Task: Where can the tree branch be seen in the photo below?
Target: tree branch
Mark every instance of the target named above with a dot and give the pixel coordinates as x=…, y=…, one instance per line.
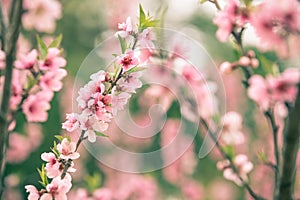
x=290, y=150
x=12, y=35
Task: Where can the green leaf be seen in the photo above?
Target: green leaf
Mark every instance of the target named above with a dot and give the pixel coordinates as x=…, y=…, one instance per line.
x=142, y=15
x=54, y=149
x=101, y=134
x=42, y=173
x=247, y=2
x=56, y=42
x=263, y=156
x=42, y=47
x=229, y=150
x=93, y=181
x=59, y=137
x=123, y=44
x=135, y=69
x=202, y=1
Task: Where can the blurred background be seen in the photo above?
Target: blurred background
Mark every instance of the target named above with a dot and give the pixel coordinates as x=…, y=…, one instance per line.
x=84, y=25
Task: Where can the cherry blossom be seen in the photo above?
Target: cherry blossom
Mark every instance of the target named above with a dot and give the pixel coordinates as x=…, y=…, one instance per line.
x=53, y=166
x=231, y=17
x=71, y=123
x=53, y=60
x=274, y=23
x=67, y=150
x=27, y=61
x=242, y=165
x=127, y=60
x=146, y=39
x=125, y=28
x=231, y=132
x=35, y=107
x=41, y=15
x=33, y=192
x=51, y=80
x=58, y=188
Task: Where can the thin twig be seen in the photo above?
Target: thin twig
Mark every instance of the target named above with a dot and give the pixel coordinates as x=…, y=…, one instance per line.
x=232, y=165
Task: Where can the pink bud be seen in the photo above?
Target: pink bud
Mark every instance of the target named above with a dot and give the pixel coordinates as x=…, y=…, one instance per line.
x=226, y=67
x=244, y=61
x=254, y=63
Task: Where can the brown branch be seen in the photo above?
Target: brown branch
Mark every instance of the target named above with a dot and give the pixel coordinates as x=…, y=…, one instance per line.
x=290, y=150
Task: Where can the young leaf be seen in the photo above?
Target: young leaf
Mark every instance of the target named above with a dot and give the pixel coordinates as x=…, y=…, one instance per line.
x=59, y=137
x=123, y=44
x=135, y=69
x=42, y=47
x=101, y=134
x=56, y=43
x=142, y=16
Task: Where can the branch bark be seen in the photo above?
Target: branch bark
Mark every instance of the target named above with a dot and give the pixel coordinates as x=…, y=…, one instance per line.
x=290, y=150
x=12, y=35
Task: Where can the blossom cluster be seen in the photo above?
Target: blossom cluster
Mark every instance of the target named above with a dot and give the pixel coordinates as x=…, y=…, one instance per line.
x=98, y=101
x=276, y=24
x=273, y=91
x=59, y=165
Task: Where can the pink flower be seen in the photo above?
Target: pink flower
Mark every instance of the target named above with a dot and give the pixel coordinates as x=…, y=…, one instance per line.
x=27, y=61
x=53, y=60
x=103, y=194
x=71, y=123
x=192, y=190
x=125, y=28
x=41, y=15
x=33, y=192
x=231, y=132
x=53, y=166
x=16, y=89
x=146, y=39
x=2, y=59
x=127, y=60
x=119, y=101
x=58, y=188
x=275, y=22
x=51, y=80
x=35, y=107
x=243, y=165
x=284, y=87
x=67, y=150
x=130, y=82
x=232, y=16
x=93, y=125
x=19, y=148
x=258, y=91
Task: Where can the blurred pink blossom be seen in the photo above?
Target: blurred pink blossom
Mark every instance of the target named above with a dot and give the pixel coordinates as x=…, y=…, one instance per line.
x=242, y=165
x=41, y=15
x=231, y=17
x=125, y=28
x=231, y=132
x=19, y=148
x=274, y=23
x=2, y=59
